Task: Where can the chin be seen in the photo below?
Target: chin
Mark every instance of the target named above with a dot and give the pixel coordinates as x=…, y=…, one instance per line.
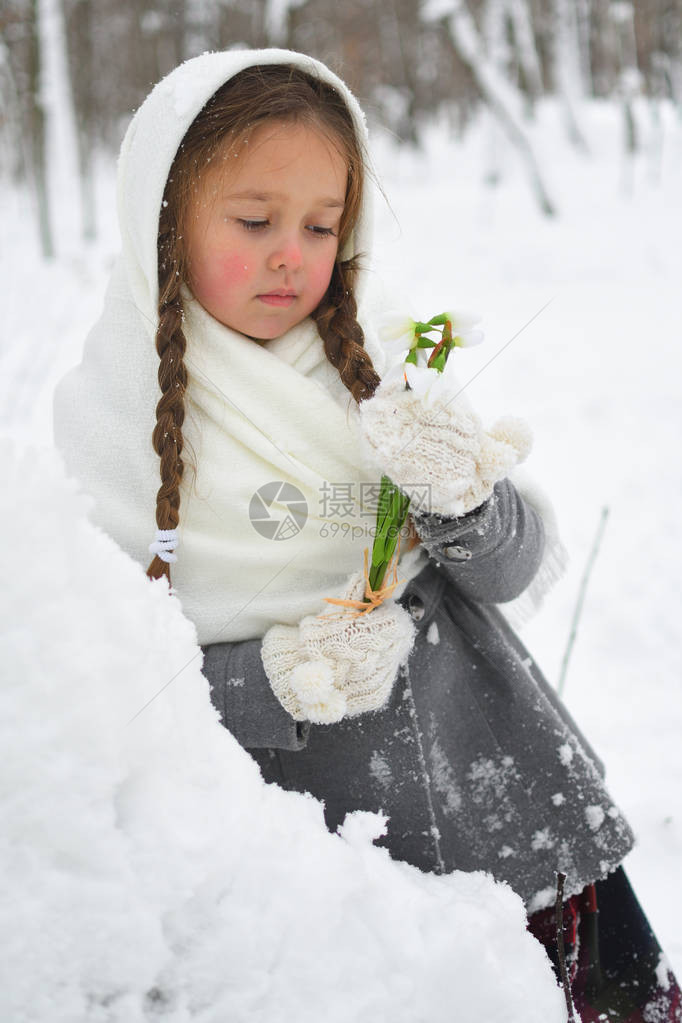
x=269, y=332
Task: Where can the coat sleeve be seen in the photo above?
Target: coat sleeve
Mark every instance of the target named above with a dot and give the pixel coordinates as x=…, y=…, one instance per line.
x=492, y=553
x=241, y=693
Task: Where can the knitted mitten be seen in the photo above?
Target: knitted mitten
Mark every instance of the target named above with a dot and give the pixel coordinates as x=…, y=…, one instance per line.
x=334, y=665
x=438, y=454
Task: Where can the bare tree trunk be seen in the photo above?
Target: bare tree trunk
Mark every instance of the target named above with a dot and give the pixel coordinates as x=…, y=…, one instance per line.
x=603, y=59
x=583, y=18
x=278, y=21
x=567, y=70
x=37, y=132
x=622, y=15
x=495, y=37
x=520, y=18
x=498, y=52
x=498, y=17
x=672, y=29
x=78, y=28
x=13, y=141
x=499, y=95
x=406, y=79
x=657, y=91
x=178, y=32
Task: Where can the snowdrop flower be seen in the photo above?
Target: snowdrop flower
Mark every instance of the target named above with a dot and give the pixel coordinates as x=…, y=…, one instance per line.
x=464, y=331
x=397, y=333
x=468, y=338
x=431, y=386
x=400, y=333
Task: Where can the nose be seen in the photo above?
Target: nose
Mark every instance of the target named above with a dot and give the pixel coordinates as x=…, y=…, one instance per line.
x=286, y=254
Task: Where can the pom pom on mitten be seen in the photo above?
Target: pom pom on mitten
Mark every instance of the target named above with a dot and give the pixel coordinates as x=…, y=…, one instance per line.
x=516, y=433
x=338, y=664
x=305, y=686
x=313, y=685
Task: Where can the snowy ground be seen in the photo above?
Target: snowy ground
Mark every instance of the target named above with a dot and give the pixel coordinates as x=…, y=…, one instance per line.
x=596, y=373
x=148, y=872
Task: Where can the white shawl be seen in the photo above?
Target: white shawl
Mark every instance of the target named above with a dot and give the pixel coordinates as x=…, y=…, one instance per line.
x=255, y=413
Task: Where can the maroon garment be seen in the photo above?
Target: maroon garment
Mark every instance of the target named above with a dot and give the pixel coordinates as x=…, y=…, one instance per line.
x=613, y=959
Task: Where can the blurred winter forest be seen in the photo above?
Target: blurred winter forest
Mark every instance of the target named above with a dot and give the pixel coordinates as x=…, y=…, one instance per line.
x=405, y=59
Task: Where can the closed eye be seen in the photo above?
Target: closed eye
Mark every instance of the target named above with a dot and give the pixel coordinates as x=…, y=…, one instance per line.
x=260, y=225
x=253, y=225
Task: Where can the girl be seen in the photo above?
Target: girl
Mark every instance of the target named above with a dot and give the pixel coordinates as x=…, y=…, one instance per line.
x=244, y=205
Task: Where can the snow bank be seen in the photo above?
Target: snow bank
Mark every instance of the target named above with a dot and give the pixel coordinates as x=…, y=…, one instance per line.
x=150, y=874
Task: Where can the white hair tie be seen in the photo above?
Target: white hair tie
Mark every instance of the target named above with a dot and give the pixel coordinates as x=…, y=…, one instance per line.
x=164, y=545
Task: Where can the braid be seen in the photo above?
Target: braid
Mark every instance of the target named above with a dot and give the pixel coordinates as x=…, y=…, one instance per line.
x=170, y=410
x=254, y=96
x=344, y=341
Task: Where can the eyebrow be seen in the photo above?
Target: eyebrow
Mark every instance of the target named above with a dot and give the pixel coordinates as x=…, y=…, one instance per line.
x=267, y=196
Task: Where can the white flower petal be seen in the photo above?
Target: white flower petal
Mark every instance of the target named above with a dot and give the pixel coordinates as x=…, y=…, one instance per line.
x=394, y=324
x=464, y=319
x=395, y=372
x=420, y=378
x=469, y=338
x=423, y=356
x=397, y=346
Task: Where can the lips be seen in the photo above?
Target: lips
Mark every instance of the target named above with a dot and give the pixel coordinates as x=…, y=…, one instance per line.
x=278, y=298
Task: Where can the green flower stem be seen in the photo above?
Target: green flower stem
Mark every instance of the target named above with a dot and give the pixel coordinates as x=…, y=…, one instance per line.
x=393, y=504
x=391, y=515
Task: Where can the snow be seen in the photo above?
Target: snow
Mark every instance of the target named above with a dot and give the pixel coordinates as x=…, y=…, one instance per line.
x=543, y=839
x=380, y=770
x=150, y=874
x=594, y=815
x=544, y=898
x=128, y=848
x=663, y=971
x=444, y=780
x=432, y=635
x=565, y=754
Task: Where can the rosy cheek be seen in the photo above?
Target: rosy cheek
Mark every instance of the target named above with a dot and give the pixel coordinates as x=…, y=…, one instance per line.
x=232, y=270
x=320, y=275
x=225, y=273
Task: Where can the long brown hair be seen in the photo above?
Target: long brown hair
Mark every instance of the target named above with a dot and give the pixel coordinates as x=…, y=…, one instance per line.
x=261, y=93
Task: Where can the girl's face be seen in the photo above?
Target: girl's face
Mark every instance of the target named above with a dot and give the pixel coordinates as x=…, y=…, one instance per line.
x=262, y=236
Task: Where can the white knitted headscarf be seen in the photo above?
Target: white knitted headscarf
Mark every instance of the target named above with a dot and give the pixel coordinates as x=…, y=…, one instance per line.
x=256, y=415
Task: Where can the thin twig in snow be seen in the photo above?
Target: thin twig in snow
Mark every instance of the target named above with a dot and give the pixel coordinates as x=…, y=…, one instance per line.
x=581, y=598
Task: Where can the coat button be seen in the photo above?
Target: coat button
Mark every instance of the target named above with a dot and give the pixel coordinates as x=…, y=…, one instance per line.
x=457, y=553
x=415, y=606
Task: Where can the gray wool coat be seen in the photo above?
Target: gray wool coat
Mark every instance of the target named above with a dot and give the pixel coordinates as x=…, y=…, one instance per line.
x=475, y=761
